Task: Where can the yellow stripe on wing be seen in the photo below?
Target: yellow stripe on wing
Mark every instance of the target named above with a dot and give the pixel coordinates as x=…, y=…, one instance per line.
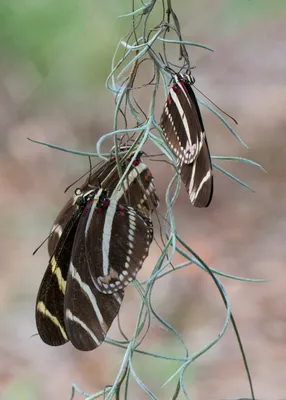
x=57, y=271
x=43, y=310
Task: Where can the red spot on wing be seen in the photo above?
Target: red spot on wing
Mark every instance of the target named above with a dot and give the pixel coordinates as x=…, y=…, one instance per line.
x=88, y=206
x=148, y=175
x=183, y=84
x=176, y=89
x=121, y=210
x=106, y=203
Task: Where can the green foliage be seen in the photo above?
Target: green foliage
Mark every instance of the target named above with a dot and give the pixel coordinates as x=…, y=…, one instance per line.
x=21, y=389
x=244, y=12
x=69, y=40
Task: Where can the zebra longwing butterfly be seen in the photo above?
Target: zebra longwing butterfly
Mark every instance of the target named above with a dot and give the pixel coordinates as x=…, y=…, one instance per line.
x=51, y=294
x=138, y=191
x=183, y=128
x=101, y=272
x=69, y=304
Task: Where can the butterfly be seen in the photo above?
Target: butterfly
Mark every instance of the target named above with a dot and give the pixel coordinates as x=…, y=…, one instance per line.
x=104, y=237
x=183, y=129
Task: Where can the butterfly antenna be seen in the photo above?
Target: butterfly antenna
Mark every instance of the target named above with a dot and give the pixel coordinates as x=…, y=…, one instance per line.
x=38, y=248
x=152, y=155
x=225, y=113
x=34, y=335
x=82, y=176
x=90, y=169
x=99, y=182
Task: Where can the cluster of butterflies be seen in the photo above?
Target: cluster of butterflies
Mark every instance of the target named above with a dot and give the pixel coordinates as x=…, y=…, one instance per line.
x=102, y=236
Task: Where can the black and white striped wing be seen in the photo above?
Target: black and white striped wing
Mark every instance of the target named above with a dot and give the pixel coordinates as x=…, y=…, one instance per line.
x=181, y=120
x=184, y=131
x=138, y=190
x=88, y=312
x=117, y=241
x=147, y=201
x=59, y=225
x=198, y=178
x=99, y=174
x=51, y=294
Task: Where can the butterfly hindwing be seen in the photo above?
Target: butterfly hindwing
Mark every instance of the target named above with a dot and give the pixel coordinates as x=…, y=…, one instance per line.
x=142, y=192
x=138, y=190
x=198, y=178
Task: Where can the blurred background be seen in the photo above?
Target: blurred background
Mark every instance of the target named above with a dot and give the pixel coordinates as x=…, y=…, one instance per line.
x=54, y=59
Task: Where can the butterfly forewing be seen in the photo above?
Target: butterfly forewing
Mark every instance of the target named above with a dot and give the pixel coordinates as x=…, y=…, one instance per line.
x=183, y=128
x=50, y=299
x=138, y=185
x=88, y=312
x=101, y=171
x=180, y=121
x=117, y=242
x=59, y=226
